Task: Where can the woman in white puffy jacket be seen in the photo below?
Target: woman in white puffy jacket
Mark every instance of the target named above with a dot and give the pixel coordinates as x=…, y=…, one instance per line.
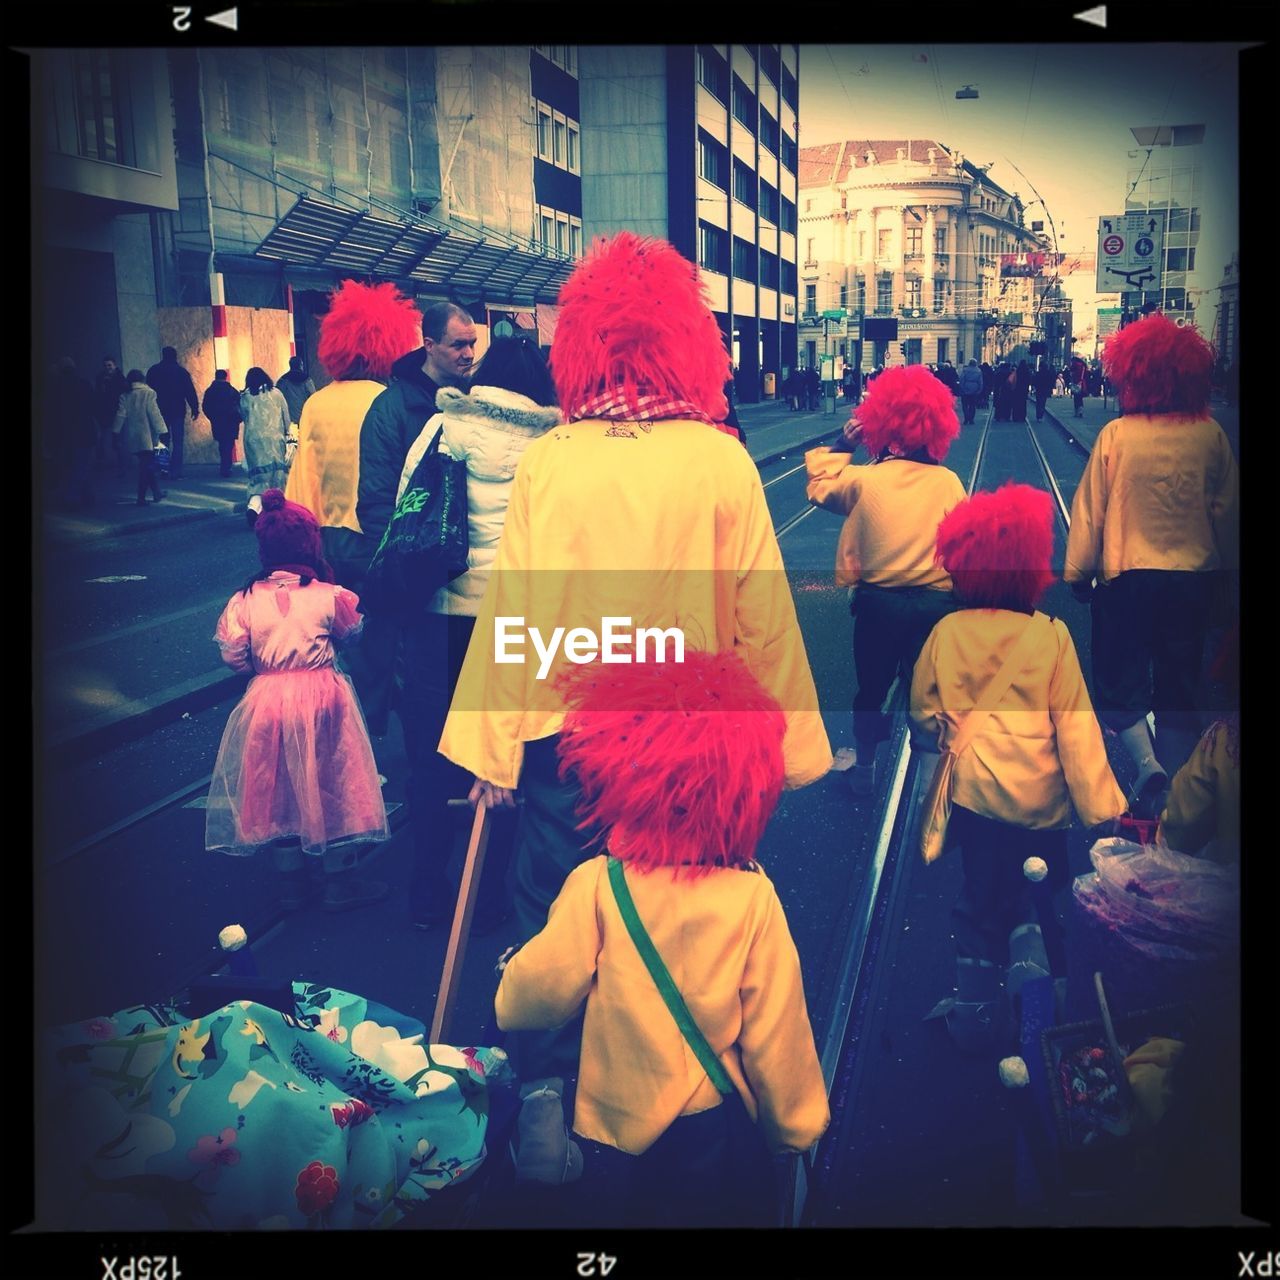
x=511, y=402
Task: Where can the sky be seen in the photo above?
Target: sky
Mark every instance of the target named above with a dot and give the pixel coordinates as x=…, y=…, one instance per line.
x=1060, y=113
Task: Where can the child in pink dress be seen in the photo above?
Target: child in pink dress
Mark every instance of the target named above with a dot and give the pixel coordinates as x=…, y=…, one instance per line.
x=295, y=766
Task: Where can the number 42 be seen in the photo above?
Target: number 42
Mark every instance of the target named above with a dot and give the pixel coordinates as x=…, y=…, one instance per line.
x=587, y=1264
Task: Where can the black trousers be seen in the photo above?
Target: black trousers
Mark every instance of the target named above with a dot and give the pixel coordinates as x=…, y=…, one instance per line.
x=434, y=648
x=1041, y=397
x=226, y=452
x=970, y=407
x=177, y=430
x=889, y=630
x=1148, y=641
x=996, y=897
x=147, y=477
x=711, y=1169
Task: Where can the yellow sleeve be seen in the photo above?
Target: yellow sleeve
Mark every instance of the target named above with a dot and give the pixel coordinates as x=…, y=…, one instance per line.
x=767, y=636
x=778, y=1054
x=1088, y=516
x=1223, y=508
x=1081, y=751
x=482, y=731
x=1189, y=821
x=926, y=705
x=547, y=981
x=833, y=480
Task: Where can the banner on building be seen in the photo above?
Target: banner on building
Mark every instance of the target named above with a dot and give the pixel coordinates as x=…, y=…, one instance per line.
x=1027, y=264
x=1078, y=264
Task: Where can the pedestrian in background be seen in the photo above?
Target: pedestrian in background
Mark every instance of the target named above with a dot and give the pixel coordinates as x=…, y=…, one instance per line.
x=141, y=428
x=175, y=393
x=295, y=767
x=295, y=386
x=266, y=434
x=970, y=390
x=109, y=385
x=1021, y=392
x=1043, y=383
x=221, y=405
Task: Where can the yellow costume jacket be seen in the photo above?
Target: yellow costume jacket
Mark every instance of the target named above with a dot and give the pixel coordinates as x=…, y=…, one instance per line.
x=325, y=474
x=1041, y=750
x=1159, y=492
x=725, y=941
x=662, y=523
x=894, y=508
x=1204, y=800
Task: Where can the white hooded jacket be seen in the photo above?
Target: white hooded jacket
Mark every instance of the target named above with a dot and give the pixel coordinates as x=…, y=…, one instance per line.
x=488, y=429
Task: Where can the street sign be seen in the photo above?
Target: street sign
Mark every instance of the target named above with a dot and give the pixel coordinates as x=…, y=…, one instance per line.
x=1130, y=252
x=836, y=314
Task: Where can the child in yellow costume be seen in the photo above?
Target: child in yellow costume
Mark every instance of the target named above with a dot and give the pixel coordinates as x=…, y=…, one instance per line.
x=680, y=766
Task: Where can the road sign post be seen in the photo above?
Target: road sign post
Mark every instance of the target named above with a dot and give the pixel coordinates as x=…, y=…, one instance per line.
x=1130, y=252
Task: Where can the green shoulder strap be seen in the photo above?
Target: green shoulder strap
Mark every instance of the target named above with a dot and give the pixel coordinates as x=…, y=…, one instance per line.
x=663, y=981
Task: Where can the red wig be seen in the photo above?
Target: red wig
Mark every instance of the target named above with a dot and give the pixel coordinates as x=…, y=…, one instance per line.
x=366, y=330
x=997, y=548
x=680, y=763
x=907, y=409
x=634, y=317
x=1159, y=368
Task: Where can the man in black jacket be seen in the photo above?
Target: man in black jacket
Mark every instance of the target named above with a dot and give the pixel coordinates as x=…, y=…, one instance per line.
x=1043, y=382
x=221, y=406
x=174, y=392
x=108, y=387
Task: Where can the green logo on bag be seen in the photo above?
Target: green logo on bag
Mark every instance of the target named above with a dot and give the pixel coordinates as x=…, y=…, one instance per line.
x=412, y=502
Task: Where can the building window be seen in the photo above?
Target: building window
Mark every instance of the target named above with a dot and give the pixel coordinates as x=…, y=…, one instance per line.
x=808, y=250
x=944, y=345
x=884, y=293
x=713, y=248
x=860, y=293
x=788, y=222
x=572, y=137
x=788, y=277
x=1181, y=260
x=713, y=160
x=744, y=260
x=912, y=289
x=940, y=240
x=104, y=118
x=744, y=184
x=575, y=238
x=915, y=237
x=770, y=62
x=768, y=132
x=562, y=234
x=939, y=296
x=789, y=154
x=768, y=269
x=713, y=72
x=790, y=94
x=544, y=132
x=884, y=242
x=844, y=296
x=744, y=104
x=559, y=143
x=811, y=299
x=769, y=203
x=547, y=229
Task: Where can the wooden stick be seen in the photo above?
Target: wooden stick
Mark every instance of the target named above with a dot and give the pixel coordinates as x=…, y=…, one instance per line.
x=451, y=978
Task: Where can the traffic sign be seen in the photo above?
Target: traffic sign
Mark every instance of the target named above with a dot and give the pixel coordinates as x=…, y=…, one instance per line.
x=836, y=314
x=1130, y=252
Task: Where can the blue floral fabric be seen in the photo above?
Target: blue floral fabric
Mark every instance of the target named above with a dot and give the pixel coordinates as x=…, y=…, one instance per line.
x=248, y=1118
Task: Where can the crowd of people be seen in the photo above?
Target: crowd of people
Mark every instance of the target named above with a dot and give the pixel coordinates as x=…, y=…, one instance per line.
x=606, y=484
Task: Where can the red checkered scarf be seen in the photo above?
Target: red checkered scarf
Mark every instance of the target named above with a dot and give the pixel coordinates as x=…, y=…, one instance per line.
x=615, y=406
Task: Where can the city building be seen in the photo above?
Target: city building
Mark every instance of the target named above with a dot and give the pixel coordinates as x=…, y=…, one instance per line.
x=1165, y=181
x=909, y=230
x=698, y=145
x=1226, y=325
x=172, y=184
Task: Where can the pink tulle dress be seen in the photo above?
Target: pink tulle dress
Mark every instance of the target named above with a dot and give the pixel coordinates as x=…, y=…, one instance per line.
x=295, y=758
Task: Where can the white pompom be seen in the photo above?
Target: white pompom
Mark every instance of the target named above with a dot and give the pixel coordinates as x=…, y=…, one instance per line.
x=232, y=938
x=1013, y=1073
x=1035, y=869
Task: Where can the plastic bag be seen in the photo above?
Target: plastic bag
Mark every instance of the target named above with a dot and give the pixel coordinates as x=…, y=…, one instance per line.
x=1164, y=904
x=161, y=459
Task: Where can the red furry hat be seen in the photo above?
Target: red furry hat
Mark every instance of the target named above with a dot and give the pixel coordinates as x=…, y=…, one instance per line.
x=634, y=317
x=997, y=547
x=906, y=409
x=680, y=763
x=367, y=329
x=1159, y=367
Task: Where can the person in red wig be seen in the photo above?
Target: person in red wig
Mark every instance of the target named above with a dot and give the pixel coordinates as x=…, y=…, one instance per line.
x=638, y=512
x=885, y=556
x=366, y=329
x=1035, y=756
x=295, y=768
x=680, y=767
x=1153, y=530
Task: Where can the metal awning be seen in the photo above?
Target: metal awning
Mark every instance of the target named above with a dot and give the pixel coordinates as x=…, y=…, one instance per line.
x=346, y=241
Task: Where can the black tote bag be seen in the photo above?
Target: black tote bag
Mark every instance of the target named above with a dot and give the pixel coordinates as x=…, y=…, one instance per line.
x=426, y=542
